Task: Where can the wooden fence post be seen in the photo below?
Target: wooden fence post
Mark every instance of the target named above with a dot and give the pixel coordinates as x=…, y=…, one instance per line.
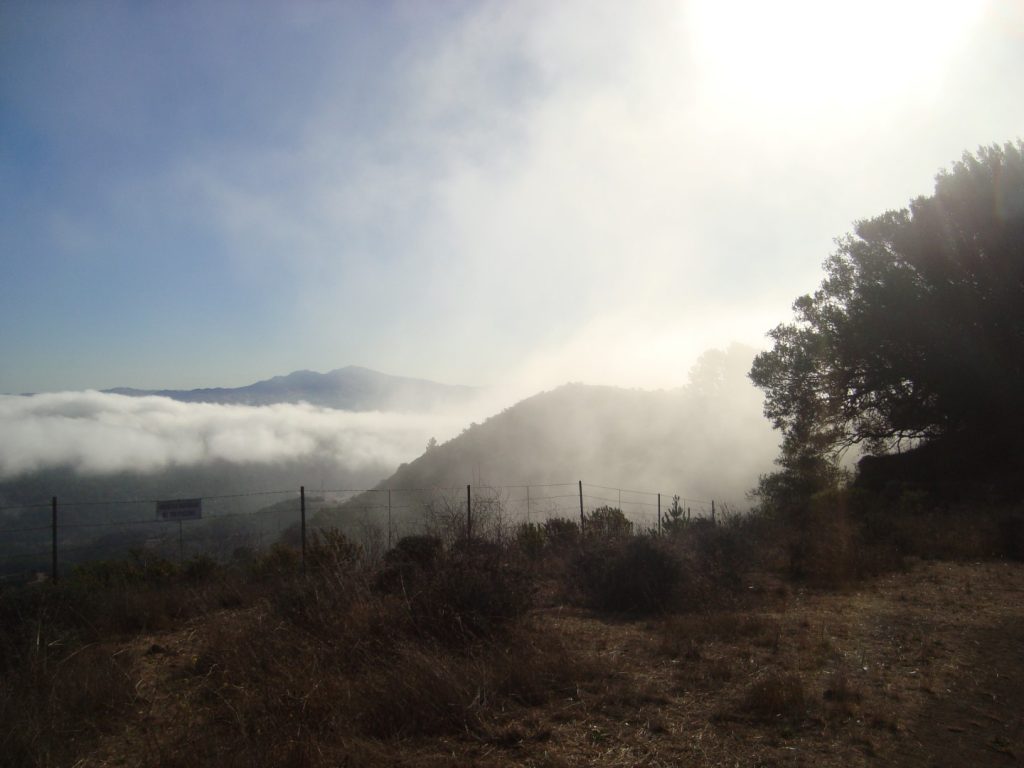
x=659, y=514
x=469, y=515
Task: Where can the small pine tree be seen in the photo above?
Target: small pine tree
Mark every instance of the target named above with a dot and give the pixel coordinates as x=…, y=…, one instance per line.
x=675, y=518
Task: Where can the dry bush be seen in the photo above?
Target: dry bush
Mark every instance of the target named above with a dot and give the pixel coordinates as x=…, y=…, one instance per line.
x=914, y=523
x=725, y=551
x=55, y=701
x=561, y=534
x=823, y=544
x=472, y=594
x=62, y=682
x=330, y=661
x=408, y=561
x=332, y=551
x=700, y=566
x=640, y=575
x=458, y=595
x=279, y=560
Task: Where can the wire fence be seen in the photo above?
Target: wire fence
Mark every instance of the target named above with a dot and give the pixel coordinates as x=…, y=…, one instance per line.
x=39, y=541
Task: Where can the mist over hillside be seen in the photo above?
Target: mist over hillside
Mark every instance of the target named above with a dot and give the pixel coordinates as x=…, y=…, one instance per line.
x=706, y=440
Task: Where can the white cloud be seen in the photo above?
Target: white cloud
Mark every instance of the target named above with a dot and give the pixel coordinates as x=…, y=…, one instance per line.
x=94, y=432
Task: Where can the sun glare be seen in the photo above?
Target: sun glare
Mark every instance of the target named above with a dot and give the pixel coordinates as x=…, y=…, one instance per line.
x=805, y=54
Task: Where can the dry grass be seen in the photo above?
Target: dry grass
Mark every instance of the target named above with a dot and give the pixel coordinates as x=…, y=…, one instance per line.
x=442, y=661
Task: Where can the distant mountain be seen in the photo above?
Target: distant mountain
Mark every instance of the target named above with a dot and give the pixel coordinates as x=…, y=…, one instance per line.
x=349, y=389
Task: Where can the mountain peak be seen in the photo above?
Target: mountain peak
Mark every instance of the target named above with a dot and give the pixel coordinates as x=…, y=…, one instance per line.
x=352, y=388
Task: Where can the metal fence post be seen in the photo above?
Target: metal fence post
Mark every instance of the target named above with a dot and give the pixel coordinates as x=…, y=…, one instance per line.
x=54, y=568
x=469, y=515
x=581, y=507
x=302, y=511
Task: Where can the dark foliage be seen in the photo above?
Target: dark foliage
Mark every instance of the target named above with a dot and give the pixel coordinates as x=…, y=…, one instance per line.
x=639, y=575
x=917, y=331
x=456, y=595
x=607, y=523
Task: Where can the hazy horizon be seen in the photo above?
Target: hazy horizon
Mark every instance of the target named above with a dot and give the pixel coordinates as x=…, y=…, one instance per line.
x=668, y=440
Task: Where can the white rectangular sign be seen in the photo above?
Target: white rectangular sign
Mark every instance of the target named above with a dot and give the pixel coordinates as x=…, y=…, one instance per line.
x=179, y=509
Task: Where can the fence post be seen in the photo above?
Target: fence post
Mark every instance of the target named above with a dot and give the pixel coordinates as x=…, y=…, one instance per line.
x=389, y=518
x=581, y=507
x=54, y=568
x=659, y=514
x=469, y=515
x=302, y=511
x=712, y=511
x=527, y=505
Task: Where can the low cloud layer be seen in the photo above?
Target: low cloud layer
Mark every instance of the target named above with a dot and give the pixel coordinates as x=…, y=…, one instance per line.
x=95, y=433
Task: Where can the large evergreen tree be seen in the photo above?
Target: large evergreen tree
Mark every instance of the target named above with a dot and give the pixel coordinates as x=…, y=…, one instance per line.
x=917, y=331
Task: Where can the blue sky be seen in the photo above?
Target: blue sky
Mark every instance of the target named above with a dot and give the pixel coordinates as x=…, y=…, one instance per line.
x=213, y=193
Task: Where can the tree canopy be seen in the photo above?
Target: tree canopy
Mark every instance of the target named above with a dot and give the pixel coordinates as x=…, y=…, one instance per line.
x=917, y=331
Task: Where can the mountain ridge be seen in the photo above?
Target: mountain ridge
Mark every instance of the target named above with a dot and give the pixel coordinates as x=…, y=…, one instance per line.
x=351, y=388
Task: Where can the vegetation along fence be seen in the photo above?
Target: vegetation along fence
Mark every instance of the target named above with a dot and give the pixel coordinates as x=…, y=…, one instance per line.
x=39, y=541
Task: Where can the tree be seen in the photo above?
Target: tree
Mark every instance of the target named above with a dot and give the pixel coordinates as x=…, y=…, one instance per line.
x=916, y=335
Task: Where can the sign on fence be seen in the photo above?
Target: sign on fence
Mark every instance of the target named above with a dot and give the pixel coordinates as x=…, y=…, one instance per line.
x=179, y=509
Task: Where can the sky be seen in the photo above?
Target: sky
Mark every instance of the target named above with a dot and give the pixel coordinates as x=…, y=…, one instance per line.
x=209, y=194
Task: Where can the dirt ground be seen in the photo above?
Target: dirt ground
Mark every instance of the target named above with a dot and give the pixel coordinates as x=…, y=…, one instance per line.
x=920, y=668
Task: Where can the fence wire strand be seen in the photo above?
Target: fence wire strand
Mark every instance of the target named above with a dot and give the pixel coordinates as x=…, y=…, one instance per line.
x=437, y=505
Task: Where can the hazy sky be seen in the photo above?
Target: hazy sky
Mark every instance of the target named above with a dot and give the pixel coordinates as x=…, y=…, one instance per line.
x=213, y=193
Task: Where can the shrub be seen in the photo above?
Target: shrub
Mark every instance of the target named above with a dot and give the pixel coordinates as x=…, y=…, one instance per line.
x=468, y=594
x=280, y=559
x=529, y=540
x=561, y=533
x=639, y=575
x=332, y=550
x=406, y=563
x=722, y=553
x=200, y=568
x=822, y=541
x=141, y=568
x=607, y=523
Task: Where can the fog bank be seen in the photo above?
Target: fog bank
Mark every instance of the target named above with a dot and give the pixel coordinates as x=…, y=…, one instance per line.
x=93, y=433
